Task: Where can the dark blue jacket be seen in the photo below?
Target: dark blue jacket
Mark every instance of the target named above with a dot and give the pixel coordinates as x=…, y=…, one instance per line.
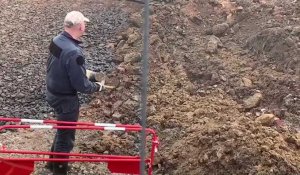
x=66, y=73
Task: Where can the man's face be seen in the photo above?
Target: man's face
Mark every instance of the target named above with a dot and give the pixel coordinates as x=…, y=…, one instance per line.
x=82, y=28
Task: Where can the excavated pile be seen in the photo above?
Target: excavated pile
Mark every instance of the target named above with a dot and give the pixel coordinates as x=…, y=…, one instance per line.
x=224, y=85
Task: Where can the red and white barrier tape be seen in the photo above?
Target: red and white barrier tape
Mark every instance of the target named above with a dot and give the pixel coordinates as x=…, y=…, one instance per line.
x=34, y=121
x=41, y=126
x=31, y=121
x=53, y=127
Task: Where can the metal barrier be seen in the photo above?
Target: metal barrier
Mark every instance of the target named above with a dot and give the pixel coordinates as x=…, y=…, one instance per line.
x=116, y=163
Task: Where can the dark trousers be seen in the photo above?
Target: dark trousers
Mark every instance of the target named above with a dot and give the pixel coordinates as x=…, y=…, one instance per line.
x=64, y=138
x=66, y=109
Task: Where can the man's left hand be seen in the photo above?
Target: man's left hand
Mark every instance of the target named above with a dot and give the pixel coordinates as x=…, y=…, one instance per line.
x=91, y=75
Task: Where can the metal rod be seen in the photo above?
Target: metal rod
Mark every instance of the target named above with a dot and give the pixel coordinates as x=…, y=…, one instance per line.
x=144, y=85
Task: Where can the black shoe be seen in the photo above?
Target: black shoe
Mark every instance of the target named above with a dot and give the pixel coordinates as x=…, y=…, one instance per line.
x=49, y=166
x=60, y=168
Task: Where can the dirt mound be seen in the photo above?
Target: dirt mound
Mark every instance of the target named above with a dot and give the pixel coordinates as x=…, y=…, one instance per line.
x=219, y=107
x=111, y=144
x=241, y=147
x=280, y=46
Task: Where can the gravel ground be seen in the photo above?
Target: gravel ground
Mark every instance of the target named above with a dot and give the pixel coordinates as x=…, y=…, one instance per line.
x=28, y=27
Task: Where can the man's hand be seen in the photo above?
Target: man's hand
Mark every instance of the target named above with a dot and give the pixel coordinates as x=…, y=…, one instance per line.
x=95, y=76
x=91, y=75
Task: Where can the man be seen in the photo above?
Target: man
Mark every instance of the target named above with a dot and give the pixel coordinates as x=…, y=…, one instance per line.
x=66, y=75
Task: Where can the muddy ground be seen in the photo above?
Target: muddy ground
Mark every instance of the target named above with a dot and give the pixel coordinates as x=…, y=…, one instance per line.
x=224, y=84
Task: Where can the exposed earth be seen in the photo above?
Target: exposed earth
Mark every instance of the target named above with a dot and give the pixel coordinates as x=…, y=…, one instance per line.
x=224, y=92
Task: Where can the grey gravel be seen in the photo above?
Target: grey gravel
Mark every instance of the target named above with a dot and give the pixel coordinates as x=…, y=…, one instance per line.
x=27, y=28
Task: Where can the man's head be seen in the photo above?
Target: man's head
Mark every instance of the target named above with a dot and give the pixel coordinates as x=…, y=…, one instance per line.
x=74, y=23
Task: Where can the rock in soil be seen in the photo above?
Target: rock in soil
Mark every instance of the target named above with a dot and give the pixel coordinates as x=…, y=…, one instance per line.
x=253, y=101
x=266, y=119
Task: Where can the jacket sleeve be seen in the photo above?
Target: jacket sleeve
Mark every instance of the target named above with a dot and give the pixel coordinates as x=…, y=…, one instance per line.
x=77, y=74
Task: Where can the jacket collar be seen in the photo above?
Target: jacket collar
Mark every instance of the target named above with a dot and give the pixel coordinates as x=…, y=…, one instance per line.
x=66, y=34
